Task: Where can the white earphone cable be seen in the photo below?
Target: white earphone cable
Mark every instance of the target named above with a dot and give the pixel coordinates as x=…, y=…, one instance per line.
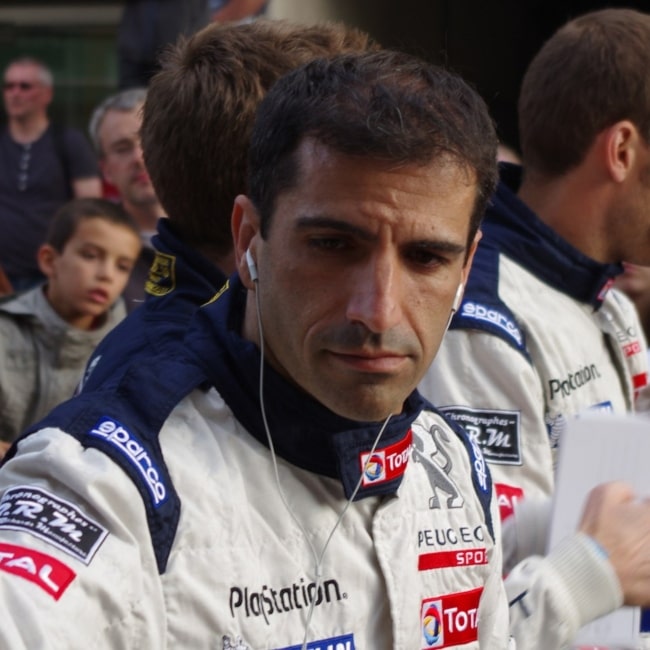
x=318, y=559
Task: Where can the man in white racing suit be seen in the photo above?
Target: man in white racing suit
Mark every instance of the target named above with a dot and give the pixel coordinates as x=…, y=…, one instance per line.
x=540, y=336
x=277, y=482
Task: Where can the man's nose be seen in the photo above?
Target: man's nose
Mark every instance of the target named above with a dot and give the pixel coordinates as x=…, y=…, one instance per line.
x=376, y=293
x=138, y=154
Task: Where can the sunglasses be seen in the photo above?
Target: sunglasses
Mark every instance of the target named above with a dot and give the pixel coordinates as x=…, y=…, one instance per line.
x=23, y=85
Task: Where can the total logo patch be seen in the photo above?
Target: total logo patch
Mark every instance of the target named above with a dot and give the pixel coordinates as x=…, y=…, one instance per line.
x=43, y=570
x=386, y=464
x=53, y=520
x=450, y=620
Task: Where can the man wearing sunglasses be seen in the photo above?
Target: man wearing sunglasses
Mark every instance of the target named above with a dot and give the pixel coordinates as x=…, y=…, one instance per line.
x=41, y=167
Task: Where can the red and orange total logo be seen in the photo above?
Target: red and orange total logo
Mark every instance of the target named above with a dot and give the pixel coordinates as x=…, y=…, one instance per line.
x=387, y=463
x=450, y=620
x=42, y=570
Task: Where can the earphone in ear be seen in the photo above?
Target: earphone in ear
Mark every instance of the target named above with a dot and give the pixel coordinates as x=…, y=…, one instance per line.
x=252, y=267
x=458, y=298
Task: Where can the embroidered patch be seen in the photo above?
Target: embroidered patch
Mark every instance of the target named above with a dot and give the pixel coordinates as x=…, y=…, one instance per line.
x=52, y=519
x=446, y=559
x=492, y=319
x=128, y=444
x=162, y=275
x=451, y=620
x=45, y=571
x=387, y=463
x=496, y=432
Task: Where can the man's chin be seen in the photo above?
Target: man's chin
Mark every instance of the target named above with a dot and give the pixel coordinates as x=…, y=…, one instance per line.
x=366, y=408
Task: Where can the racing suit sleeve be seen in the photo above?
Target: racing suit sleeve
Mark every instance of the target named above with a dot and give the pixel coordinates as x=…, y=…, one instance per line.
x=77, y=567
x=552, y=597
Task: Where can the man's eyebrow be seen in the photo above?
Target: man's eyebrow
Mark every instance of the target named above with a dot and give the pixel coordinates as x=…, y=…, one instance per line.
x=319, y=221
x=440, y=245
x=125, y=139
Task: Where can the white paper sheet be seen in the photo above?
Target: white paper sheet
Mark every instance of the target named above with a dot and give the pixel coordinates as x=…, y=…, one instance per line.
x=596, y=449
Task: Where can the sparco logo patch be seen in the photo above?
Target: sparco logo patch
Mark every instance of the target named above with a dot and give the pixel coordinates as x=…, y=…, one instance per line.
x=573, y=381
x=476, y=311
x=132, y=449
x=450, y=621
x=269, y=601
x=53, y=520
x=387, y=463
x=496, y=432
x=43, y=570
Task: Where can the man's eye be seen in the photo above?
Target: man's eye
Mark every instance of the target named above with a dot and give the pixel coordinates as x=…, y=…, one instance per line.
x=424, y=257
x=122, y=150
x=327, y=243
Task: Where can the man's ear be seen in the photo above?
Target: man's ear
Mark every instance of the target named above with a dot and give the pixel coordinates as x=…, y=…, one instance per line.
x=245, y=225
x=621, y=141
x=46, y=257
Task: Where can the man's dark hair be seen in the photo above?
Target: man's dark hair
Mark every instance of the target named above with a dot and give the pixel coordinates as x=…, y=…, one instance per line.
x=385, y=105
x=592, y=73
x=67, y=218
x=199, y=114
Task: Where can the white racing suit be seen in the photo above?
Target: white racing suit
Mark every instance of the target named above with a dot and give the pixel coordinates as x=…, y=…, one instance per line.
x=539, y=338
x=149, y=516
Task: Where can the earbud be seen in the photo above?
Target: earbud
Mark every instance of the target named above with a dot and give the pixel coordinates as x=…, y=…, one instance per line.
x=458, y=298
x=252, y=267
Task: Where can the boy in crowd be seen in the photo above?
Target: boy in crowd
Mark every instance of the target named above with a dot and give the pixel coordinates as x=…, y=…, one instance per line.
x=48, y=333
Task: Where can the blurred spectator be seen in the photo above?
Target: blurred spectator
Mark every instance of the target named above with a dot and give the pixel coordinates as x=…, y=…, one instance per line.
x=42, y=165
x=226, y=11
x=114, y=129
x=146, y=27
x=48, y=332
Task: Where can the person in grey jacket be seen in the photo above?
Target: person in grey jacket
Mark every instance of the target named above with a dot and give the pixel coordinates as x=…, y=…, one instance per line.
x=47, y=333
